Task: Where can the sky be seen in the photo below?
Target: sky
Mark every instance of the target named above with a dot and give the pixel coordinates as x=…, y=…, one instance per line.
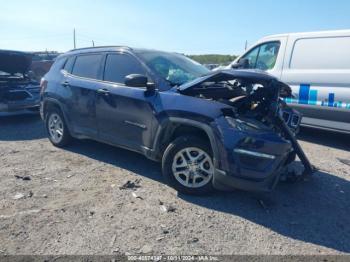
x=185, y=26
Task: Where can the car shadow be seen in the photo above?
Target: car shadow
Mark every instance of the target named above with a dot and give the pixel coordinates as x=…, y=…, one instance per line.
x=119, y=157
x=315, y=211
x=21, y=127
x=324, y=137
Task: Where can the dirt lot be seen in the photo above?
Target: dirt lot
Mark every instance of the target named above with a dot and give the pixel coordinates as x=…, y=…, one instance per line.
x=72, y=203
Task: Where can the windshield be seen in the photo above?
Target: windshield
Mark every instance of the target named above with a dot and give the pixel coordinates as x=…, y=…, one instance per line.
x=175, y=68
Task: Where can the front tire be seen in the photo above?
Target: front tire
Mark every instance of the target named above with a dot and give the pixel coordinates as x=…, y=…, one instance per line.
x=57, y=129
x=187, y=165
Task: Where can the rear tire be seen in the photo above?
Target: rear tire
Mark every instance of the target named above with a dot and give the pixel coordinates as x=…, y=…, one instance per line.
x=56, y=128
x=187, y=165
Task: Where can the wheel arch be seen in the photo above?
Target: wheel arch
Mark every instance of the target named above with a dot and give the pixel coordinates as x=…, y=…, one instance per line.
x=53, y=103
x=174, y=127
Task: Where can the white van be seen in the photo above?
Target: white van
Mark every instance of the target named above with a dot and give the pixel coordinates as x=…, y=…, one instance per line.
x=317, y=67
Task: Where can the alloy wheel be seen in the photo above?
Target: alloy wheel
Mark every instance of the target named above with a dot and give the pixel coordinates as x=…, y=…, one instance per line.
x=193, y=167
x=55, y=128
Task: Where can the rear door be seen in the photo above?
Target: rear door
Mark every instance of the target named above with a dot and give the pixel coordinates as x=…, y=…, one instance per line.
x=125, y=114
x=318, y=70
x=81, y=85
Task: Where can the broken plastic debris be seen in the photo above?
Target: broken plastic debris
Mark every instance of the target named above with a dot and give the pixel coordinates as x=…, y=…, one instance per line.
x=169, y=208
x=131, y=185
x=136, y=196
x=193, y=240
x=24, y=178
x=18, y=196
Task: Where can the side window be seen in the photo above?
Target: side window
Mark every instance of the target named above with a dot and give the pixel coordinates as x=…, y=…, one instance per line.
x=58, y=64
x=87, y=66
x=118, y=66
x=69, y=64
x=263, y=56
x=252, y=56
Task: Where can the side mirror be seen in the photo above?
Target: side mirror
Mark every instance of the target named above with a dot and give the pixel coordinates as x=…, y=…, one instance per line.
x=137, y=80
x=242, y=63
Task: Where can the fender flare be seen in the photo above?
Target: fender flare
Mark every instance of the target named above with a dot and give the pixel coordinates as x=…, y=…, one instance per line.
x=60, y=106
x=189, y=122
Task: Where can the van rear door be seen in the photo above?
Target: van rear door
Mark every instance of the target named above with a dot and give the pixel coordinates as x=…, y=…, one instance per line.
x=318, y=70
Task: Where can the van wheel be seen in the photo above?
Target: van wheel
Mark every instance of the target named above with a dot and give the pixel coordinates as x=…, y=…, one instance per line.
x=57, y=129
x=187, y=165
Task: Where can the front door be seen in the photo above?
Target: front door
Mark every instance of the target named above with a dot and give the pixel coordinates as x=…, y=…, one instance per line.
x=125, y=114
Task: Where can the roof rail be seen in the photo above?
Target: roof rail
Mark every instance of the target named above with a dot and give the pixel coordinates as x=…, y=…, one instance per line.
x=96, y=47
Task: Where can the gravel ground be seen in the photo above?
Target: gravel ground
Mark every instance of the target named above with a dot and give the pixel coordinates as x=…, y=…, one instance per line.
x=73, y=203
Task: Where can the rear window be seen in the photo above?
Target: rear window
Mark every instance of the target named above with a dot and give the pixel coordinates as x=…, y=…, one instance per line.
x=58, y=64
x=321, y=53
x=87, y=66
x=69, y=64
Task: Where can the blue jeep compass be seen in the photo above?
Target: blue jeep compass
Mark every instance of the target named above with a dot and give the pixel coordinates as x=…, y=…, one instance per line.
x=210, y=130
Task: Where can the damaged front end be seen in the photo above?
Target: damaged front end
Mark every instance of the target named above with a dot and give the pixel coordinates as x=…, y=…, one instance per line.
x=17, y=90
x=256, y=129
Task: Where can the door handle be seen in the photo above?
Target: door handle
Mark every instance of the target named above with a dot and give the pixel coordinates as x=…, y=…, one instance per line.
x=103, y=91
x=65, y=84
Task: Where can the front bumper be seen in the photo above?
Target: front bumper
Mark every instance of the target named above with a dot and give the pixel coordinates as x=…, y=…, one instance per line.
x=251, y=161
x=224, y=180
x=30, y=101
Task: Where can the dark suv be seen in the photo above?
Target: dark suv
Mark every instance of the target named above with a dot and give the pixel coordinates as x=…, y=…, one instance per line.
x=208, y=129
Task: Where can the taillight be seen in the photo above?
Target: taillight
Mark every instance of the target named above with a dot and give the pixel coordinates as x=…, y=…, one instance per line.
x=43, y=85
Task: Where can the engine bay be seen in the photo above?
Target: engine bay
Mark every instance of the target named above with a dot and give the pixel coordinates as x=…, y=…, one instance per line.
x=252, y=95
x=259, y=100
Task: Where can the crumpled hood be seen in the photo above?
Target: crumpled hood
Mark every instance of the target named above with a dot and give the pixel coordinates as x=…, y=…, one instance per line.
x=253, y=76
x=14, y=62
x=226, y=75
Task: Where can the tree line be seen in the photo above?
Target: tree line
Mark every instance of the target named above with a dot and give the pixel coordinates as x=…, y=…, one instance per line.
x=213, y=59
